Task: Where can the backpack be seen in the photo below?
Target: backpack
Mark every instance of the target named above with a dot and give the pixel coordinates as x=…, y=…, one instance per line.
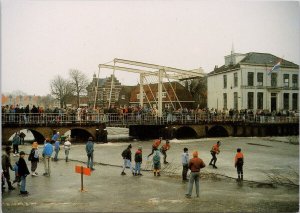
x=124, y=153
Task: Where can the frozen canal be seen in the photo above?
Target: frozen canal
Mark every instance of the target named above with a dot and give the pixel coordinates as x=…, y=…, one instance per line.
x=271, y=174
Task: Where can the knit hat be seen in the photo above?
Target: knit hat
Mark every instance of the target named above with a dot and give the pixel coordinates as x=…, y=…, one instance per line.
x=35, y=145
x=195, y=154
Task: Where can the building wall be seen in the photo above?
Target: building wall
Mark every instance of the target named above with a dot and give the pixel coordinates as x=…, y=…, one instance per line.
x=216, y=89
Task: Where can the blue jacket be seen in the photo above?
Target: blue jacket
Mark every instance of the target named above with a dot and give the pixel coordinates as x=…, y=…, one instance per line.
x=89, y=148
x=57, y=145
x=48, y=149
x=55, y=137
x=16, y=140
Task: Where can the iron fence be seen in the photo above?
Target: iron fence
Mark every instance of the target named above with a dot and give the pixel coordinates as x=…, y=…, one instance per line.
x=126, y=119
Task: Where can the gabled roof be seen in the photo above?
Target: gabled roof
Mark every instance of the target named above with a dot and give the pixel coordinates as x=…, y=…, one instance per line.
x=256, y=59
x=266, y=59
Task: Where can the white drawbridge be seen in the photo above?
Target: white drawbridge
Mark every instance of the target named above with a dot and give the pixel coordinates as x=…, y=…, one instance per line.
x=150, y=73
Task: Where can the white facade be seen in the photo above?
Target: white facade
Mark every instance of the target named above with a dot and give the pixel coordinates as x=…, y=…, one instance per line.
x=259, y=95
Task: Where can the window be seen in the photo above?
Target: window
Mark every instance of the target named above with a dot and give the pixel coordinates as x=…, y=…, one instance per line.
x=123, y=97
x=273, y=79
x=224, y=81
x=286, y=80
x=235, y=79
x=286, y=101
x=250, y=100
x=260, y=79
x=225, y=100
x=260, y=99
x=295, y=101
x=295, y=80
x=250, y=78
x=235, y=100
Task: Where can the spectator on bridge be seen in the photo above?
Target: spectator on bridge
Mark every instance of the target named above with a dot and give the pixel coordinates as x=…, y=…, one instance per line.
x=47, y=153
x=23, y=172
x=126, y=154
x=16, y=143
x=215, y=150
x=34, y=158
x=164, y=150
x=155, y=146
x=138, y=158
x=90, y=153
x=195, y=164
x=67, y=147
x=185, y=163
x=56, y=149
x=238, y=163
x=6, y=165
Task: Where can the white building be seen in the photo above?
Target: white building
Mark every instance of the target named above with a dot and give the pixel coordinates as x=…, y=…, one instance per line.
x=244, y=82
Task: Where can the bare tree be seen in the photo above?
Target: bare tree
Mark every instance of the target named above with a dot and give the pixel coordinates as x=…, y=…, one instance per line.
x=198, y=90
x=79, y=82
x=61, y=89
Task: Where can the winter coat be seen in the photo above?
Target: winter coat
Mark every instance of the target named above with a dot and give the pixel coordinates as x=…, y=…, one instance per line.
x=89, y=148
x=34, y=155
x=22, y=168
x=138, y=156
x=126, y=154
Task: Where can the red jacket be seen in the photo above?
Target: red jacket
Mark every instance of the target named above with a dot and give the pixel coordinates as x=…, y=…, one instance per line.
x=196, y=164
x=215, y=149
x=166, y=147
x=156, y=143
x=239, y=157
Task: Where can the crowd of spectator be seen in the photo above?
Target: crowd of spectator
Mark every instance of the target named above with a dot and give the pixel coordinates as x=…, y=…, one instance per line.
x=36, y=114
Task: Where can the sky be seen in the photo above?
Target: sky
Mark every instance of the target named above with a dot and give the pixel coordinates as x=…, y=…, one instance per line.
x=41, y=39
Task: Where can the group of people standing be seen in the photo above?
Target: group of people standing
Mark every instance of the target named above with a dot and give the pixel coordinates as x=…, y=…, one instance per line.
x=195, y=164
x=138, y=158
x=20, y=168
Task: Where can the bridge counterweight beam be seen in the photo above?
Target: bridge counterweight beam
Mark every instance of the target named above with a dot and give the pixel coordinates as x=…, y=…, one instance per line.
x=160, y=75
x=141, y=90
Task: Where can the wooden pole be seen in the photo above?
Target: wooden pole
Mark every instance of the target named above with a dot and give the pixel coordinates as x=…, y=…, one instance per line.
x=82, y=178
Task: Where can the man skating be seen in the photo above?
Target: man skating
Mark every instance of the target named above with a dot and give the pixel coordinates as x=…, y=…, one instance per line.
x=215, y=150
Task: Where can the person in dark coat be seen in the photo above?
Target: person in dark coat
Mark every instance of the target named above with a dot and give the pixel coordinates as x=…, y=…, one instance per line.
x=126, y=154
x=138, y=158
x=23, y=172
x=6, y=165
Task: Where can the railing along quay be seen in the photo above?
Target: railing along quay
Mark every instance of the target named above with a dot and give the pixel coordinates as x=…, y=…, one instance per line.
x=126, y=119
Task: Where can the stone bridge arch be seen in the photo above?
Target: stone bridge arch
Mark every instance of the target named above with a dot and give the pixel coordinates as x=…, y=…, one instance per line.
x=203, y=130
x=40, y=133
x=186, y=132
x=218, y=131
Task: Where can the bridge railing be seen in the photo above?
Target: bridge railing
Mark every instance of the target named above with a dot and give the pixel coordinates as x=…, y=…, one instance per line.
x=115, y=119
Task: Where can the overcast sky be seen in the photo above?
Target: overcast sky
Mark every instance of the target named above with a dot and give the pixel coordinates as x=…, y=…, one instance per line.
x=41, y=39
